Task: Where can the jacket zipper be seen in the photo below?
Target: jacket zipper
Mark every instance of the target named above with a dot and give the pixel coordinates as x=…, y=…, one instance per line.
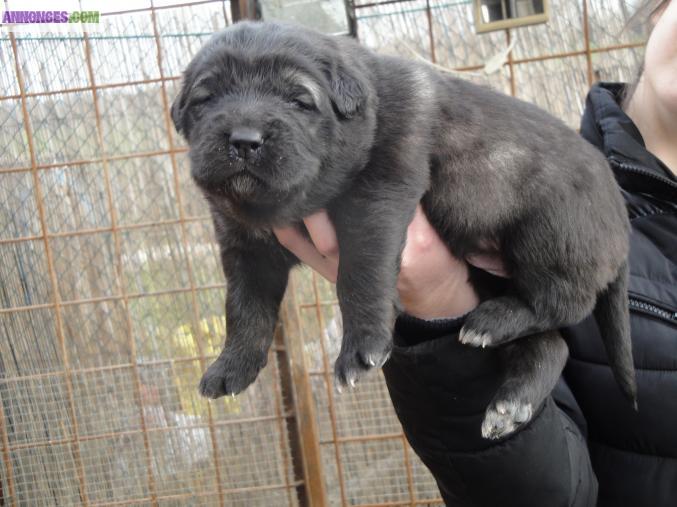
x=639, y=170
x=635, y=303
x=651, y=309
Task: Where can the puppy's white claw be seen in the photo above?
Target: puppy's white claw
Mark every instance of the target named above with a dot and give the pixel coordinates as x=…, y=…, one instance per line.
x=504, y=418
x=352, y=383
x=462, y=336
x=370, y=361
x=385, y=360
x=473, y=338
x=339, y=388
x=524, y=413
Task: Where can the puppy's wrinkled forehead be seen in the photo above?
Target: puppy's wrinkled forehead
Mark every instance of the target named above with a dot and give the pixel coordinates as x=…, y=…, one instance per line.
x=236, y=71
x=252, y=65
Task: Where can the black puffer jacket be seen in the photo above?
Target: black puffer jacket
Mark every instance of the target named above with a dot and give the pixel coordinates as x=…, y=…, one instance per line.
x=585, y=446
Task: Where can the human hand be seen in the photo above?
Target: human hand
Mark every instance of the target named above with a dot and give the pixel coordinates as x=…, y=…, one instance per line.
x=432, y=283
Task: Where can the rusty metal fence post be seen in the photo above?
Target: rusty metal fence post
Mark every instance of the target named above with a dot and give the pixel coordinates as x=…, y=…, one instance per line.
x=308, y=438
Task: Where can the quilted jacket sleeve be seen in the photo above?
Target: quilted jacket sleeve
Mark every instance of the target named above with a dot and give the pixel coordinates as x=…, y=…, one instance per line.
x=440, y=389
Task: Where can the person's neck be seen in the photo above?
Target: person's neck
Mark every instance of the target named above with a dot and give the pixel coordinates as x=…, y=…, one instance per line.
x=657, y=124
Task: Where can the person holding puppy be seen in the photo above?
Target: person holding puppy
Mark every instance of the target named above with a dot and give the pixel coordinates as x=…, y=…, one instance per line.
x=585, y=445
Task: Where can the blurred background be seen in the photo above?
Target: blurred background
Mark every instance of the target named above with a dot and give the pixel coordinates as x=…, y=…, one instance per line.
x=111, y=292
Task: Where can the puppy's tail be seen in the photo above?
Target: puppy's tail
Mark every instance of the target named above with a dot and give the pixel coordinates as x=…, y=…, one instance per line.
x=613, y=318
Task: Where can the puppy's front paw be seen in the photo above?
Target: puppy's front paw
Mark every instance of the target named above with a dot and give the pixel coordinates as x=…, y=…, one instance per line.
x=481, y=326
x=469, y=336
x=231, y=373
x=359, y=353
x=504, y=417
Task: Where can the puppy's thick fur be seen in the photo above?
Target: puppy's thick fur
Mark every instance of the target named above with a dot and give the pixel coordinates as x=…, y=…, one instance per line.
x=368, y=137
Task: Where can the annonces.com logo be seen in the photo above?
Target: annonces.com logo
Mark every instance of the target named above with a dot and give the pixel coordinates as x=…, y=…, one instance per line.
x=49, y=20
x=26, y=17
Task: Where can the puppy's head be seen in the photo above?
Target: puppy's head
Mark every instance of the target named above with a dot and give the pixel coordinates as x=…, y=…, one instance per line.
x=277, y=118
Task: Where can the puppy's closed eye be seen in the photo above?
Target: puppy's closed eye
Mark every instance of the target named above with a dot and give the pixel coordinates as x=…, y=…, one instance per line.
x=303, y=91
x=200, y=98
x=304, y=101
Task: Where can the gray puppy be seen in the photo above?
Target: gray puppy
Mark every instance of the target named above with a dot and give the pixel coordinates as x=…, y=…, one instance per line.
x=283, y=121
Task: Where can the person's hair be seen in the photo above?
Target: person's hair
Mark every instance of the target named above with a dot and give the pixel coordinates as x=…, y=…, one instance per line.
x=642, y=19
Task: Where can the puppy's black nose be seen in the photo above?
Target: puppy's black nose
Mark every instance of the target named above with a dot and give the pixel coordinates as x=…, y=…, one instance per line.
x=246, y=141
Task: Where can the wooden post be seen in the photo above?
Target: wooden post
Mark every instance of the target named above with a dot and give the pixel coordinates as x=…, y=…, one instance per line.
x=307, y=440
x=243, y=9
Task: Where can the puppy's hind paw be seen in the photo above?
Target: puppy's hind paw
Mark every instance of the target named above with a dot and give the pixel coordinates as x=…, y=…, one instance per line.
x=504, y=417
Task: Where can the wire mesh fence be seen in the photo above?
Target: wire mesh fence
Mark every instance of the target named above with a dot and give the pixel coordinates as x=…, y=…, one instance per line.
x=111, y=295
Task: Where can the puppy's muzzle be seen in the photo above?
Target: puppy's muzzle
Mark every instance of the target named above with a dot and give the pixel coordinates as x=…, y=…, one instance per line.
x=245, y=142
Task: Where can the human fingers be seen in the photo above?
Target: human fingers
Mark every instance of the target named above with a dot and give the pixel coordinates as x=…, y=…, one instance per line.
x=323, y=234
x=432, y=282
x=424, y=255
x=292, y=239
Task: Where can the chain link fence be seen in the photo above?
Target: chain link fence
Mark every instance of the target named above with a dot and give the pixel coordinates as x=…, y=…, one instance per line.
x=111, y=293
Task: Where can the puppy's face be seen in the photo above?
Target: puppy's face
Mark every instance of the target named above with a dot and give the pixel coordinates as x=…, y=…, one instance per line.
x=267, y=114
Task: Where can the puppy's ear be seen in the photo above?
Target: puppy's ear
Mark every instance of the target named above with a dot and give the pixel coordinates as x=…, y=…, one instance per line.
x=178, y=109
x=348, y=89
